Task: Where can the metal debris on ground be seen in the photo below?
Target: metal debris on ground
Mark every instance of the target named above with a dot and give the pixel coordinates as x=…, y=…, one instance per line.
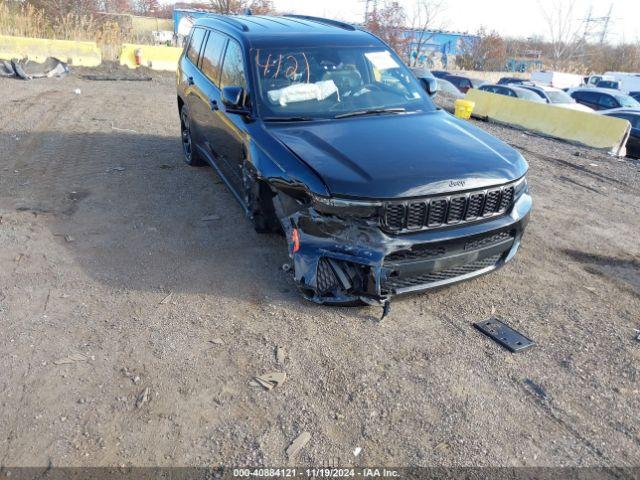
x=504, y=335
x=386, y=309
x=115, y=78
x=269, y=381
x=210, y=218
x=217, y=341
x=69, y=238
x=73, y=358
x=142, y=398
x=116, y=169
x=356, y=451
x=28, y=69
x=298, y=444
x=637, y=334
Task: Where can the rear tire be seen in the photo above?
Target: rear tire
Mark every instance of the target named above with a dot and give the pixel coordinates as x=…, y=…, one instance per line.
x=189, y=150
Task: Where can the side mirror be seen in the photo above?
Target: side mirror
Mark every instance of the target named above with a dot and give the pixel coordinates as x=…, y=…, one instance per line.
x=430, y=85
x=232, y=99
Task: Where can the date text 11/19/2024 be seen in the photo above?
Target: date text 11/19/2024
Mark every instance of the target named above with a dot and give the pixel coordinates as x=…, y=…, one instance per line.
x=315, y=473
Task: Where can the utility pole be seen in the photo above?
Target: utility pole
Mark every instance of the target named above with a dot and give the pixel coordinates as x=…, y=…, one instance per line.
x=592, y=23
x=603, y=35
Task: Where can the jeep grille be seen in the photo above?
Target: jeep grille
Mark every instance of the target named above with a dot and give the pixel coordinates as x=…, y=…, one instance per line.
x=413, y=215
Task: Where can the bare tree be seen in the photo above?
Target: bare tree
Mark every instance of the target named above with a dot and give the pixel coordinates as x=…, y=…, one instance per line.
x=230, y=7
x=389, y=23
x=567, y=33
x=487, y=51
x=427, y=20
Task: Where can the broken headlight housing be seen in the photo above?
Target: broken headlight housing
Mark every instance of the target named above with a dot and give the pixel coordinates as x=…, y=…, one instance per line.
x=345, y=207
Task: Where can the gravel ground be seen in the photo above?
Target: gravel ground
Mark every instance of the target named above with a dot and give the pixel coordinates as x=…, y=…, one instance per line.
x=131, y=327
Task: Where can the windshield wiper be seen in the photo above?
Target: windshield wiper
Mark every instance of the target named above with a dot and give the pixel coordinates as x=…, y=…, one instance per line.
x=373, y=111
x=287, y=119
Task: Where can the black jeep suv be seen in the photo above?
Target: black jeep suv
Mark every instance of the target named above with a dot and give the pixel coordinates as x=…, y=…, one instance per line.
x=320, y=131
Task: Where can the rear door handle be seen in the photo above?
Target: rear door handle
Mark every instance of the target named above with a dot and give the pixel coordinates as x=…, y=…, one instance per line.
x=214, y=104
x=190, y=80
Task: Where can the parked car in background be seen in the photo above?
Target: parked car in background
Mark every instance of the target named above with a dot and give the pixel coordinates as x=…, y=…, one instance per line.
x=557, y=79
x=603, y=98
x=633, y=116
x=611, y=84
x=629, y=82
x=462, y=83
x=422, y=72
x=448, y=88
x=512, y=81
x=513, y=91
x=557, y=97
x=439, y=73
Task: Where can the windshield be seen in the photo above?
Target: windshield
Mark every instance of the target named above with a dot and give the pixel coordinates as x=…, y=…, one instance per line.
x=325, y=82
x=560, y=97
x=529, y=95
x=627, y=101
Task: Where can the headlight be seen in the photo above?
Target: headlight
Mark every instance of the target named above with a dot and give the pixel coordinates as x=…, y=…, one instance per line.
x=521, y=186
x=345, y=208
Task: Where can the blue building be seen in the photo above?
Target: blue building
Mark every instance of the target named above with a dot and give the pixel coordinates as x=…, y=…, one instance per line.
x=437, y=48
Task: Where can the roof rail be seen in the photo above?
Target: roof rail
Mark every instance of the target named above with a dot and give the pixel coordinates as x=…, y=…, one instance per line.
x=326, y=21
x=230, y=21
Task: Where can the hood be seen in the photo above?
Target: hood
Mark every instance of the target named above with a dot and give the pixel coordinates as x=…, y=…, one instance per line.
x=399, y=156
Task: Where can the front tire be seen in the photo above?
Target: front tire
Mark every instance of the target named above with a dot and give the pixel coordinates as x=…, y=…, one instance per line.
x=189, y=150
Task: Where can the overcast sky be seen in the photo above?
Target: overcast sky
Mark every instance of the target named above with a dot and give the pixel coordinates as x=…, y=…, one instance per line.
x=521, y=18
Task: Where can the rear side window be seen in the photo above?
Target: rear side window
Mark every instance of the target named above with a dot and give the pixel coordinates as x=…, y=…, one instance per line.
x=607, y=101
x=212, y=56
x=590, y=97
x=233, y=67
x=193, y=50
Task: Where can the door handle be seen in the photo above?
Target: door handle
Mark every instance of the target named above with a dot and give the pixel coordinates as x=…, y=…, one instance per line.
x=190, y=81
x=214, y=105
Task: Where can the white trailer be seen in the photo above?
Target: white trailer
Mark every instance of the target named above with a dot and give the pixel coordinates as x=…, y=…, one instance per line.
x=557, y=79
x=629, y=82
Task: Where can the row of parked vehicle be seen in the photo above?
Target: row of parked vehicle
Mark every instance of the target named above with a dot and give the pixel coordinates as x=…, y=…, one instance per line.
x=597, y=95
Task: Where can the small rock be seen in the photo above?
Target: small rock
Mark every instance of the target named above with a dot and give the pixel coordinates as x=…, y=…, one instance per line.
x=142, y=398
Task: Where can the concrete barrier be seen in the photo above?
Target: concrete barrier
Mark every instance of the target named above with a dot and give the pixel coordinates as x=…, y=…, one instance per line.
x=590, y=129
x=86, y=54
x=156, y=57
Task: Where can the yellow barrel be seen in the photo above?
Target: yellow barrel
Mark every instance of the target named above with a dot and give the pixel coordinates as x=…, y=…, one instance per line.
x=464, y=108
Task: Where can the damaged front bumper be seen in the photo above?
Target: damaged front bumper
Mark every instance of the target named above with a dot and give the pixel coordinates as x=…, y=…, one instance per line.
x=345, y=260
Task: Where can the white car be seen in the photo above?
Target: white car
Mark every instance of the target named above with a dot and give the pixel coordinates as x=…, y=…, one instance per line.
x=557, y=97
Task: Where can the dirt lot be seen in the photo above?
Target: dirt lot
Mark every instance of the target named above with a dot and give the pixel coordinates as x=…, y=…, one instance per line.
x=101, y=221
